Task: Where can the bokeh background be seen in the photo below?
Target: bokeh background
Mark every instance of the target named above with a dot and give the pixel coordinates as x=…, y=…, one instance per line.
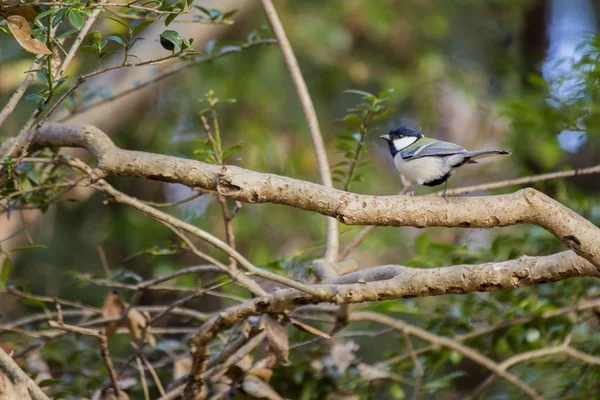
x=519, y=75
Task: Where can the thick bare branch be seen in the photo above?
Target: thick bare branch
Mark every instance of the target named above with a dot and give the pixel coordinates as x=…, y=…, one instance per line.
x=407, y=282
x=527, y=206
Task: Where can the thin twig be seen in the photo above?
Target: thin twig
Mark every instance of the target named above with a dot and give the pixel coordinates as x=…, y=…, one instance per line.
x=26, y=135
x=160, y=77
x=103, y=261
x=159, y=384
x=140, y=368
x=362, y=235
x=449, y=343
x=17, y=95
x=109, y=365
x=308, y=107
x=417, y=364
x=523, y=181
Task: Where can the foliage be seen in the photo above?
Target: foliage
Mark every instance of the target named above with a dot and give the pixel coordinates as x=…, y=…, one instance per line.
x=359, y=122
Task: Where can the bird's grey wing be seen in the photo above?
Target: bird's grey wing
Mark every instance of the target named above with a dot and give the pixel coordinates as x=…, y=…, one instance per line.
x=431, y=148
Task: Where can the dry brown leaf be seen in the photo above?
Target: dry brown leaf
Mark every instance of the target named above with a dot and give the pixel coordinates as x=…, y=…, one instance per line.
x=259, y=389
x=21, y=30
x=277, y=338
x=27, y=12
x=113, y=308
x=136, y=322
x=309, y=329
x=263, y=373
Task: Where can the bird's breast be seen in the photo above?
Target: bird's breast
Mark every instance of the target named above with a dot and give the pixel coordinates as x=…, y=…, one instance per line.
x=422, y=170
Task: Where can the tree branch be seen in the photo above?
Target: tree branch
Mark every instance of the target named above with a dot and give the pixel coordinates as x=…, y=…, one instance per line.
x=449, y=343
x=527, y=206
x=331, y=253
x=19, y=378
x=407, y=282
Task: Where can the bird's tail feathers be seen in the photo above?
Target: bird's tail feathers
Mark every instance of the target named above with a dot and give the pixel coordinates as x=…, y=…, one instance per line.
x=483, y=154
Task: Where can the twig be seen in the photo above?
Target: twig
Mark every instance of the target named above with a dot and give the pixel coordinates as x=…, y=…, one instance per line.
x=104, y=261
x=227, y=216
x=9, y=367
x=109, y=365
x=308, y=107
x=237, y=357
x=25, y=136
x=364, y=232
x=585, y=304
x=140, y=368
x=235, y=274
x=524, y=181
x=417, y=364
x=533, y=354
x=17, y=95
x=49, y=299
x=159, y=384
x=449, y=343
x=157, y=78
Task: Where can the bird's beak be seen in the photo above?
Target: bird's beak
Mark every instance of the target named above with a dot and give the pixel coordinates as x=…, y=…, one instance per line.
x=385, y=137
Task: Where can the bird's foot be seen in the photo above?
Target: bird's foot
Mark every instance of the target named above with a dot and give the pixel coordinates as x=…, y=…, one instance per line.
x=411, y=192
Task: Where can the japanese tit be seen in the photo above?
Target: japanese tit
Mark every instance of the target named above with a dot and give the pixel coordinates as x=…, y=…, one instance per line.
x=426, y=161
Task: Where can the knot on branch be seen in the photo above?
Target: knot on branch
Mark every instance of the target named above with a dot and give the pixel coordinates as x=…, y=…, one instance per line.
x=572, y=242
x=224, y=184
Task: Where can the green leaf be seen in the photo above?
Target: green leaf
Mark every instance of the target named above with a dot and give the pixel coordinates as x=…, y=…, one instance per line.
x=33, y=302
x=139, y=27
x=76, y=19
x=44, y=14
x=5, y=272
x=66, y=34
x=170, y=19
x=29, y=248
x=233, y=149
x=122, y=23
x=171, y=40
x=35, y=97
x=49, y=382
x=230, y=14
x=360, y=93
x=117, y=39
x=353, y=121
x=42, y=76
x=383, y=114
x=422, y=243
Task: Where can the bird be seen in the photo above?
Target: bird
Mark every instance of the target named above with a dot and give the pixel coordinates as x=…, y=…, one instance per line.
x=427, y=161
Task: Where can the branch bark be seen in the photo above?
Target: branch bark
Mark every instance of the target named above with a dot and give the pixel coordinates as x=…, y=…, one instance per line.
x=527, y=206
x=19, y=378
x=406, y=282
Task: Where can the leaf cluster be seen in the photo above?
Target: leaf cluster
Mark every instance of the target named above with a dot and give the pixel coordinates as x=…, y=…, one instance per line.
x=352, y=143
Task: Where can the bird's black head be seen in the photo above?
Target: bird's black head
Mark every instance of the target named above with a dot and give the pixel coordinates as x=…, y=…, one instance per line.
x=401, y=137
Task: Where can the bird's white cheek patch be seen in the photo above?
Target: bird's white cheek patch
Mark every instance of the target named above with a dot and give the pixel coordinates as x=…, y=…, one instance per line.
x=401, y=143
